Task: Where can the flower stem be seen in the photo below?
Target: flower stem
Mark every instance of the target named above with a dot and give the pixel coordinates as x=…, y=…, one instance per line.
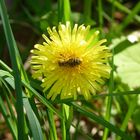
x=109, y=102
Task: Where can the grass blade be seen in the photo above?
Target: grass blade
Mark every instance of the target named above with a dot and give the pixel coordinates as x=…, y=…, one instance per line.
x=42, y=99
x=8, y=120
x=34, y=123
x=63, y=125
x=53, y=133
x=64, y=11
x=130, y=17
x=130, y=111
x=11, y=46
x=100, y=11
x=87, y=10
x=8, y=116
x=123, y=8
x=67, y=10
x=101, y=121
x=60, y=10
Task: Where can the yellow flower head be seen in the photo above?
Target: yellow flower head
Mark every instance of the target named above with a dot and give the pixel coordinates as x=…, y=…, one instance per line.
x=69, y=64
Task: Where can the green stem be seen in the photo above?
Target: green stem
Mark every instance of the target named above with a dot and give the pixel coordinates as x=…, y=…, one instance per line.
x=87, y=10
x=130, y=111
x=8, y=120
x=112, y=22
x=67, y=112
x=67, y=11
x=53, y=134
x=60, y=10
x=64, y=11
x=63, y=123
x=100, y=11
x=109, y=101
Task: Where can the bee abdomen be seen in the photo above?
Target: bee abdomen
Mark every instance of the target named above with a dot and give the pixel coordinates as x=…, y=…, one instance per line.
x=72, y=62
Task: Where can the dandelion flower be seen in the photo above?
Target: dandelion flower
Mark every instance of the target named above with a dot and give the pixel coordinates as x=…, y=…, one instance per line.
x=69, y=63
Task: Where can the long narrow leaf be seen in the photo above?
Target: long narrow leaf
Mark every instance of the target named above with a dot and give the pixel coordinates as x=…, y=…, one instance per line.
x=10, y=123
x=33, y=121
x=41, y=98
x=130, y=17
x=11, y=46
x=101, y=121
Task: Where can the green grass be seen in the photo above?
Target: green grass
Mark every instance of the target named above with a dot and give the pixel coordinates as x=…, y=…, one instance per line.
x=16, y=72
x=28, y=114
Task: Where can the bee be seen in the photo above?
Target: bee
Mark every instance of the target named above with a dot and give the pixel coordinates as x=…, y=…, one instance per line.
x=71, y=62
